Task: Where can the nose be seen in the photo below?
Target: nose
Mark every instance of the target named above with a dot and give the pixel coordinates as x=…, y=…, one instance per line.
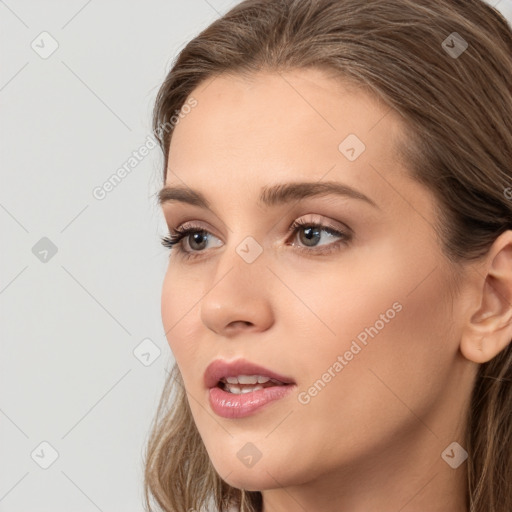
x=239, y=296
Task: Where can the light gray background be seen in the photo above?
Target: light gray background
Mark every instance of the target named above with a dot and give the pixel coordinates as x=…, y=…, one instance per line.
x=68, y=375
x=70, y=324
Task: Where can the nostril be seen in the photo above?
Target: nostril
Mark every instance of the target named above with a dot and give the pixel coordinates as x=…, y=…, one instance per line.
x=239, y=323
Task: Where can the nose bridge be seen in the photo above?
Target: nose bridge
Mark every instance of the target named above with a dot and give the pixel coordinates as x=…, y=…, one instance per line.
x=244, y=263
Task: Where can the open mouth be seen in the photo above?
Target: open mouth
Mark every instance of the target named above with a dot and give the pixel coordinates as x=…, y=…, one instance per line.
x=247, y=384
x=240, y=388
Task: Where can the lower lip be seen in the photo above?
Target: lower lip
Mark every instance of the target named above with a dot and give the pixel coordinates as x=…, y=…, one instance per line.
x=229, y=405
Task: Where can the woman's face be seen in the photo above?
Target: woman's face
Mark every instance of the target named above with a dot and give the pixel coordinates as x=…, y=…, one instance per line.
x=358, y=312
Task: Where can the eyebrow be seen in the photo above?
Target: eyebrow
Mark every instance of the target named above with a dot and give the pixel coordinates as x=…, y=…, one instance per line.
x=270, y=195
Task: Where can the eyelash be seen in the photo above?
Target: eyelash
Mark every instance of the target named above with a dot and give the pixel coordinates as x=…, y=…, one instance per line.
x=175, y=240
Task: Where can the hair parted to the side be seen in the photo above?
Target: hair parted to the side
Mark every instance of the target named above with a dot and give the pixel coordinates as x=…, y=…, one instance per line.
x=458, y=114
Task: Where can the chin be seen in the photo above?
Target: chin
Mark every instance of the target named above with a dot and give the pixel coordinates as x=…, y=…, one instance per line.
x=251, y=479
x=265, y=474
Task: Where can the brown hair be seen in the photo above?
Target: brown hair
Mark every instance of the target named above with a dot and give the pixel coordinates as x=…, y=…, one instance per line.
x=458, y=113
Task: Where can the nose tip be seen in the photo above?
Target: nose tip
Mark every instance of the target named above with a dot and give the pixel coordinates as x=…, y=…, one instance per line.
x=220, y=320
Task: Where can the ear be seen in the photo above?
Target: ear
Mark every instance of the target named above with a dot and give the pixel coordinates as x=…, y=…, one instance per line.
x=489, y=328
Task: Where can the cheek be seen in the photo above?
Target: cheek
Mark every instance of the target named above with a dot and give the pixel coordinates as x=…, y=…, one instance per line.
x=390, y=322
x=180, y=313
x=397, y=350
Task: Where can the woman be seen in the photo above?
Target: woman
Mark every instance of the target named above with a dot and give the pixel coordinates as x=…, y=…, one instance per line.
x=337, y=182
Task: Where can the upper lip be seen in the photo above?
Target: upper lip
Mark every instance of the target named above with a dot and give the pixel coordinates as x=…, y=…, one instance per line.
x=219, y=369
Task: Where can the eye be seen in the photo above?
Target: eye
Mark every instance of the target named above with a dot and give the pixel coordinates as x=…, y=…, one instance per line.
x=195, y=236
x=309, y=234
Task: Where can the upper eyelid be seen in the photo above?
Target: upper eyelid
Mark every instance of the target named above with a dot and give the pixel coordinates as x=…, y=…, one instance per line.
x=307, y=218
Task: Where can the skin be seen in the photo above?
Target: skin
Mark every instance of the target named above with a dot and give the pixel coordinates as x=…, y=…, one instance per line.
x=372, y=438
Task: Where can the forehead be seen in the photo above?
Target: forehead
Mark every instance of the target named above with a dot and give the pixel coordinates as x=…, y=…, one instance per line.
x=273, y=127
x=302, y=102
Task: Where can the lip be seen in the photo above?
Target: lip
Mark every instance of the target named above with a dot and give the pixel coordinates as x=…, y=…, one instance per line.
x=220, y=368
x=233, y=406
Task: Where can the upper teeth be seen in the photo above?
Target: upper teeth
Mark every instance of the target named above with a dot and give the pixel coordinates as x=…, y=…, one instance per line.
x=247, y=379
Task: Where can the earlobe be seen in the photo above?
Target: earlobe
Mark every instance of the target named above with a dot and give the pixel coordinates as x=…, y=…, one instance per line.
x=478, y=349
x=489, y=328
